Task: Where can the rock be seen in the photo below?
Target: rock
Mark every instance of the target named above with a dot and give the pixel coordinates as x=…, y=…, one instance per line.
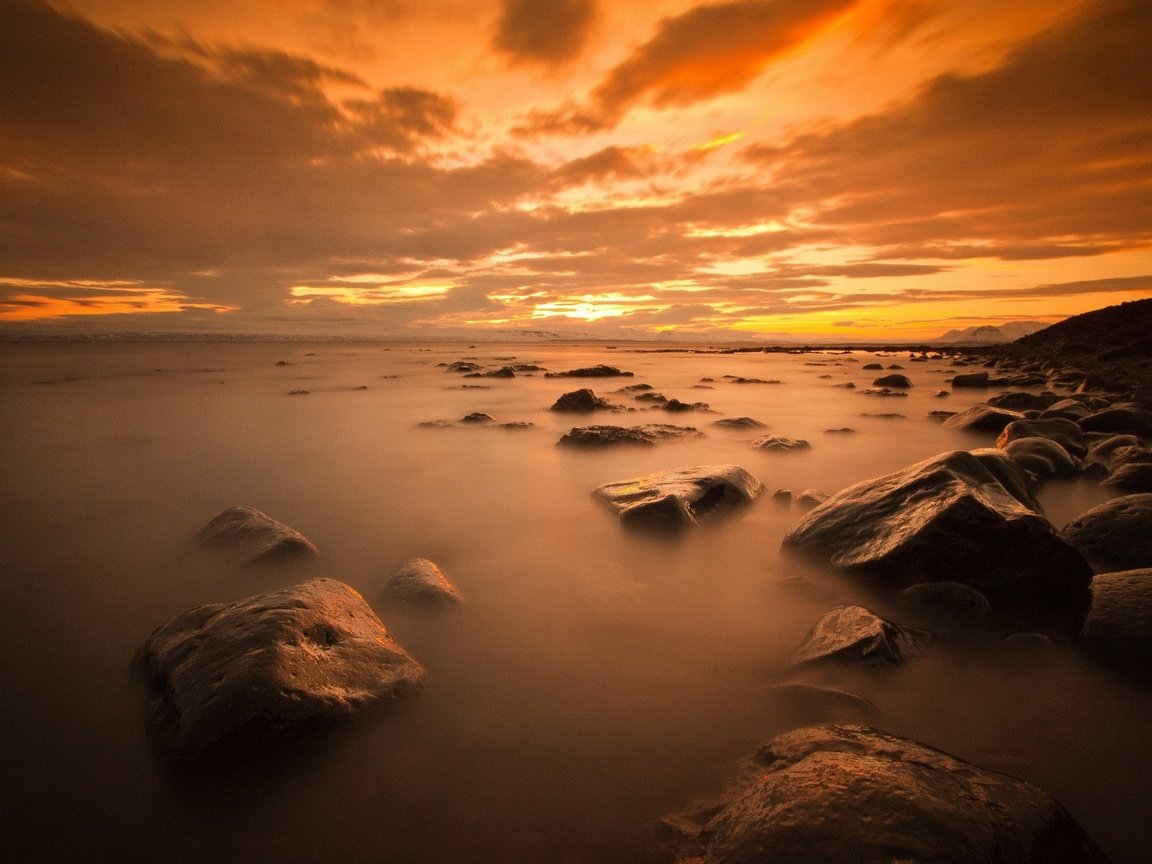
x=634, y=388
x=477, y=417
x=1069, y=409
x=517, y=425
x=1064, y=432
x=436, y=424
x=1020, y=401
x=255, y=535
x=299, y=392
x=941, y=394
x=971, y=379
x=608, y=436
x=1136, y=421
x=580, y=401
x=1118, y=632
x=1115, y=535
x=651, y=397
x=946, y=609
x=270, y=663
x=809, y=703
x=842, y=793
x=853, y=634
x=982, y=418
x=782, y=496
x=847, y=385
x=736, y=379
x=892, y=381
x=680, y=498
x=1103, y=449
x=880, y=391
x=810, y=498
x=739, y=423
x=780, y=443
x=462, y=366
x=1132, y=477
x=871, y=366
x=421, y=581
x=957, y=517
x=600, y=371
x=1008, y=474
x=677, y=405
x=843, y=430
x=1043, y=458
x=1131, y=455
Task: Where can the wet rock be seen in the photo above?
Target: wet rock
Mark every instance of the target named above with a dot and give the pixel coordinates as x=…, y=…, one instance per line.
x=971, y=379
x=609, y=436
x=1020, y=401
x=299, y=392
x=478, y=417
x=1069, y=409
x=951, y=518
x=808, y=703
x=1064, y=432
x=945, y=609
x=1118, y=632
x=1131, y=455
x=680, y=498
x=849, y=794
x=881, y=391
x=982, y=418
x=1043, y=458
x=739, y=423
x=517, y=425
x=780, y=443
x=1130, y=419
x=255, y=535
x=581, y=401
x=422, y=581
x=1102, y=449
x=677, y=405
x=892, y=381
x=1132, y=477
x=270, y=663
x=810, y=498
x=599, y=371
x=853, y=634
x=1115, y=535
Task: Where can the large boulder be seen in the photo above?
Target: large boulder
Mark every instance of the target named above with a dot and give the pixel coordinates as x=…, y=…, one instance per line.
x=982, y=418
x=952, y=518
x=855, y=635
x=255, y=536
x=1118, y=632
x=1115, y=535
x=841, y=793
x=679, y=498
x=270, y=663
x=422, y=581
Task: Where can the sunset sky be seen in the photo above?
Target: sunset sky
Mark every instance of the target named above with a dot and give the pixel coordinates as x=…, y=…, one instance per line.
x=844, y=169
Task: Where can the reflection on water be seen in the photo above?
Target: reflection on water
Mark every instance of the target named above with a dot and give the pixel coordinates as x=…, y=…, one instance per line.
x=593, y=681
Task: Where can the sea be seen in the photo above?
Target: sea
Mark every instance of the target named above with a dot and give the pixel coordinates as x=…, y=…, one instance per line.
x=594, y=680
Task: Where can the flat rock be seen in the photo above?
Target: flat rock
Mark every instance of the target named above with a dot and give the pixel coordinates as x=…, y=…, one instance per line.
x=422, y=581
x=957, y=517
x=581, y=401
x=853, y=634
x=680, y=498
x=609, y=436
x=982, y=418
x=269, y=663
x=255, y=535
x=1115, y=535
x=1118, y=632
x=781, y=443
x=848, y=794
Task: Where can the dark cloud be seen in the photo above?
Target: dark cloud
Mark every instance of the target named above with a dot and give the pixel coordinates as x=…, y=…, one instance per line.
x=547, y=32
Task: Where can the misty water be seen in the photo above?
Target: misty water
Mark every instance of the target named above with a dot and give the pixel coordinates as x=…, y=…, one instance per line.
x=593, y=681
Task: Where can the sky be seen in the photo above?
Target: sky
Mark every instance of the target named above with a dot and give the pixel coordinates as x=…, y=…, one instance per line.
x=424, y=169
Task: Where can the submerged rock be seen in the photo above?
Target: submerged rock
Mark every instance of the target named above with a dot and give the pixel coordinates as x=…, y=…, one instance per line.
x=1130, y=477
x=810, y=498
x=1116, y=535
x=847, y=794
x=680, y=498
x=948, y=609
x=1118, y=632
x=271, y=662
x=608, y=436
x=809, y=703
x=255, y=535
x=422, y=581
x=957, y=517
x=853, y=634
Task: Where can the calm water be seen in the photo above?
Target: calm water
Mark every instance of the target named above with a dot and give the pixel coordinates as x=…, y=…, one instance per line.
x=594, y=681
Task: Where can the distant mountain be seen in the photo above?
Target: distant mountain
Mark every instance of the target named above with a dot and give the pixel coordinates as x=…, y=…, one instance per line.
x=987, y=334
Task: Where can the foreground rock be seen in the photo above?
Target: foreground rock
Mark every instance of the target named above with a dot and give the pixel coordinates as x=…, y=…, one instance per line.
x=610, y=436
x=255, y=536
x=422, y=581
x=1118, y=632
x=680, y=498
x=848, y=794
x=958, y=517
x=269, y=663
x=1116, y=535
x=853, y=634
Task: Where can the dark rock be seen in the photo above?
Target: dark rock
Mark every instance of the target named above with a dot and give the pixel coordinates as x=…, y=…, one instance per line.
x=299, y=392
x=853, y=634
x=680, y=498
x=462, y=366
x=270, y=663
x=1019, y=401
x=1133, y=420
x=952, y=518
x=843, y=430
x=652, y=396
x=739, y=423
x=609, y=436
x=600, y=371
x=283, y=363
x=436, y=424
x=847, y=385
x=848, y=794
x=1133, y=477
x=946, y=609
x=1064, y=432
x=871, y=366
x=677, y=405
x=580, y=401
x=255, y=535
x=982, y=418
x=971, y=379
x=941, y=394
x=807, y=703
x=421, y=581
x=1103, y=449
x=1115, y=535
x=736, y=379
x=634, y=388
x=1069, y=409
x=880, y=391
x=477, y=417
x=1043, y=458
x=517, y=425
x=1131, y=455
x=1118, y=632
x=780, y=443
x=892, y=381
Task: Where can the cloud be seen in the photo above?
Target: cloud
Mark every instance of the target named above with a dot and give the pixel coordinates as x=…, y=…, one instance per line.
x=545, y=32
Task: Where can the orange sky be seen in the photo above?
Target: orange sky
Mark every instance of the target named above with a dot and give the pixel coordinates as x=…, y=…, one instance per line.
x=843, y=169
